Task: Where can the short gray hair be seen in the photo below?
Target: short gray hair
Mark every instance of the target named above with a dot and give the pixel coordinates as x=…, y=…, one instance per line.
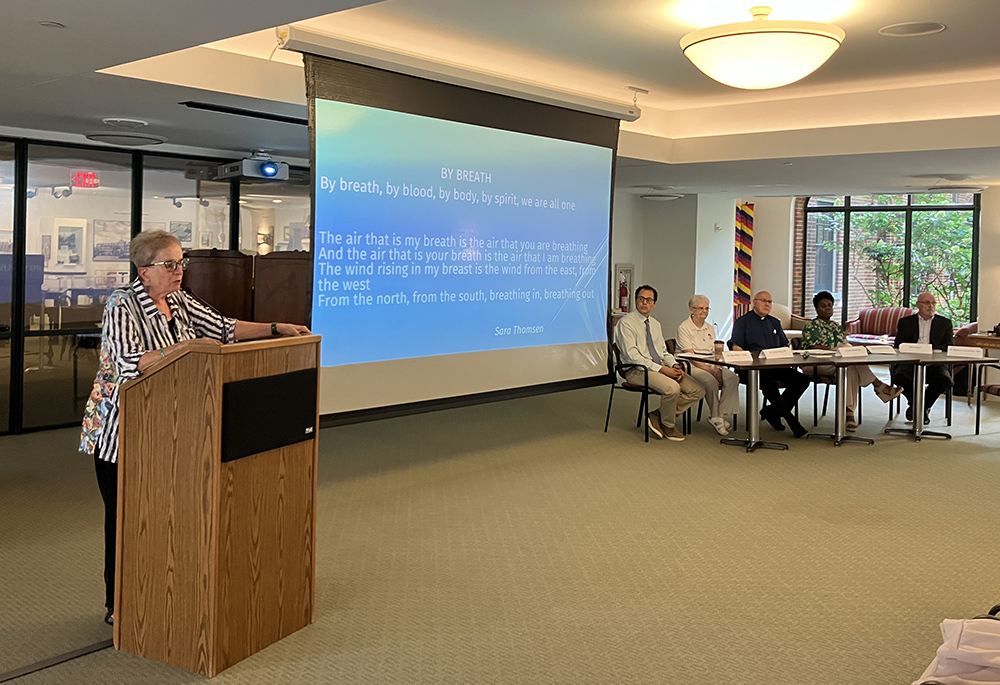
x=145, y=246
x=695, y=299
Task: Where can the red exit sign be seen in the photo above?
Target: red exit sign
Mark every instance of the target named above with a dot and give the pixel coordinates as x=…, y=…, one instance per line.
x=86, y=179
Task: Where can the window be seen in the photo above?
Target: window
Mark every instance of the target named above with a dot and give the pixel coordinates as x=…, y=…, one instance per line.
x=896, y=246
x=824, y=262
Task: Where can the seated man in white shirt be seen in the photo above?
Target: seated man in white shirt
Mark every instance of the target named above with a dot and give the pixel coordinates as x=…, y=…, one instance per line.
x=640, y=341
x=696, y=335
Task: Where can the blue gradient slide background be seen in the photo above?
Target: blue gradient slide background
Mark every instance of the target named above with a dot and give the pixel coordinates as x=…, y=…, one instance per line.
x=378, y=148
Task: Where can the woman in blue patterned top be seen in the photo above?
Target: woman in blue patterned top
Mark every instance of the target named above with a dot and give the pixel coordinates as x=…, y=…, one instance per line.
x=144, y=322
x=823, y=334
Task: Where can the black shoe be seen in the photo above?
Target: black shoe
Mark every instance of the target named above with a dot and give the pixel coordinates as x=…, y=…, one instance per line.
x=769, y=415
x=109, y=617
x=909, y=413
x=798, y=430
x=927, y=417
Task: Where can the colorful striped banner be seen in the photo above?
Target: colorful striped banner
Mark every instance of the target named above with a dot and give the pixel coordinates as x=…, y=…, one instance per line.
x=744, y=257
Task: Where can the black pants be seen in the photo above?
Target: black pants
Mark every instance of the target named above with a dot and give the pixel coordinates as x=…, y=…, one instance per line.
x=107, y=481
x=937, y=377
x=795, y=383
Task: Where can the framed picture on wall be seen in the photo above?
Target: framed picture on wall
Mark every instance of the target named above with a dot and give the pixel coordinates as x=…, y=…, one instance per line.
x=111, y=240
x=182, y=231
x=205, y=240
x=153, y=226
x=70, y=240
x=623, y=288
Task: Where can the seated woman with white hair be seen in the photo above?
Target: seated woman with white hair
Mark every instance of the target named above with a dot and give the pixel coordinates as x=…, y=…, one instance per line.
x=695, y=335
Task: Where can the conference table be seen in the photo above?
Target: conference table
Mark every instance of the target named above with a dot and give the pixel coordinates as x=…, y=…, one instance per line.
x=810, y=358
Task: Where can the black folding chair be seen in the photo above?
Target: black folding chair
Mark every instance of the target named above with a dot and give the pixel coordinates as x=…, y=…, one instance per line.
x=644, y=390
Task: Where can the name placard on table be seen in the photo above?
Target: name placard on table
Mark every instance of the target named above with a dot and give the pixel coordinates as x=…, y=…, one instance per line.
x=966, y=352
x=881, y=349
x=916, y=348
x=737, y=357
x=852, y=351
x=777, y=353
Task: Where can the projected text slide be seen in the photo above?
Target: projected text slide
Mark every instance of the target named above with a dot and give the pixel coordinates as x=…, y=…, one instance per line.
x=434, y=237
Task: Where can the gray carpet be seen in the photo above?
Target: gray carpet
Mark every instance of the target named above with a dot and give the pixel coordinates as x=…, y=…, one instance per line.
x=518, y=543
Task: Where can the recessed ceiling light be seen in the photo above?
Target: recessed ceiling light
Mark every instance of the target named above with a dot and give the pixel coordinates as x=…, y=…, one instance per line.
x=912, y=29
x=787, y=163
x=122, y=122
x=662, y=197
x=52, y=24
x=277, y=202
x=956, y=189
x=126, y=138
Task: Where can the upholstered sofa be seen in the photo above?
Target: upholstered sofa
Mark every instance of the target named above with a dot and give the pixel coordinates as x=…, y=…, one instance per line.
x=878, y=324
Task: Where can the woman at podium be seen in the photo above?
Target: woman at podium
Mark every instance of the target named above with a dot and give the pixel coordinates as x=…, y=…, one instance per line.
x=144, y=322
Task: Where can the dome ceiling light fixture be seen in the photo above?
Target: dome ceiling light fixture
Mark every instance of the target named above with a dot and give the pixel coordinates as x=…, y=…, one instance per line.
x=761, y=54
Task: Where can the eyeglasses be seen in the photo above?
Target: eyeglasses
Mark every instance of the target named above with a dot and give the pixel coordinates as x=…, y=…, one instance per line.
x=701, y=309
x=172, y=264
x=645, y=299
x=929, y=304
x=764, y=301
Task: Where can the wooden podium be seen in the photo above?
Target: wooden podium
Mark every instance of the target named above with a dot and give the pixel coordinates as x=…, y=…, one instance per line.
x=216, y=550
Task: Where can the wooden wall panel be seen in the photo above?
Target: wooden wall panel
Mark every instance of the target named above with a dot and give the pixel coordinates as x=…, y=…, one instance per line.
x=223, y=279
x=282, y=289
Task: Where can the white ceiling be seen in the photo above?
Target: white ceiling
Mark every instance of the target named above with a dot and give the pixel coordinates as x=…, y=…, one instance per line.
x=883, y=114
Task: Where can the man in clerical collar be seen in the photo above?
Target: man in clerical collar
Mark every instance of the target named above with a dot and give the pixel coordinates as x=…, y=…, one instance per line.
x=924, y=327
x=755, y=331
x=640, y=341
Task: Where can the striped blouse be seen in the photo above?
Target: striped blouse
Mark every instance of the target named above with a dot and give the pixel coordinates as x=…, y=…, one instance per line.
x=132, y=326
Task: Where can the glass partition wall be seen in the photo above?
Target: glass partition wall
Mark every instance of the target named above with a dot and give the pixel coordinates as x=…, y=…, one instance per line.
x=67, y=214
x=76, y=251
x=274, y=215
x=7, y=172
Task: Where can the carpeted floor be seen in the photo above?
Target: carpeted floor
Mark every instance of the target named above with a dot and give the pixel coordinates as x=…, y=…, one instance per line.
x=517, y=543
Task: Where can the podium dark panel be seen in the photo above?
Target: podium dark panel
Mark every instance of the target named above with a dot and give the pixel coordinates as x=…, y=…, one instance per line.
x=261, y=414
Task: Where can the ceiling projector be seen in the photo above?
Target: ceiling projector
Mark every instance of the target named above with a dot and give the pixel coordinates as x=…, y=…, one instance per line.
x=255, y=166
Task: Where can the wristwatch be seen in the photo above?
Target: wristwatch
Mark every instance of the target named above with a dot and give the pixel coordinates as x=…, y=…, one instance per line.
x=274, y=329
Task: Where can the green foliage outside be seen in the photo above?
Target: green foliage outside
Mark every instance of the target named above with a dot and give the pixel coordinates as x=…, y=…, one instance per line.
x=941, y=257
